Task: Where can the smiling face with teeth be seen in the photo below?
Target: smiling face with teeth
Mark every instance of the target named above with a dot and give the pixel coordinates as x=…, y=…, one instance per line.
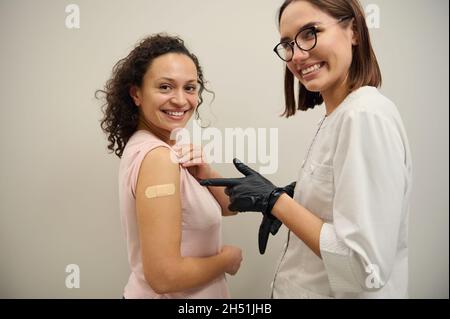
x=168, y=95
x=325, y=68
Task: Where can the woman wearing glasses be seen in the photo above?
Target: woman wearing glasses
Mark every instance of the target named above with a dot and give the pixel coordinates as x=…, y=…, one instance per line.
x=348, y=218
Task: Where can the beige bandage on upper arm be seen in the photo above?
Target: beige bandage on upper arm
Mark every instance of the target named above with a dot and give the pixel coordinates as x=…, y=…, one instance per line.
x=159, y=190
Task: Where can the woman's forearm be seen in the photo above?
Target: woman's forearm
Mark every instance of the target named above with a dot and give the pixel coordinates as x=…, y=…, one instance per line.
x=304, y=224
x=187, y=273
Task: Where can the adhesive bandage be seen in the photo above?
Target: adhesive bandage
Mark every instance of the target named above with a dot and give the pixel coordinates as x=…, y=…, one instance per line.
x=160, y=190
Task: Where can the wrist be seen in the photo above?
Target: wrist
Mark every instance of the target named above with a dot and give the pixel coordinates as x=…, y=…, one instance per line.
x=204, y=171
x=273, y=198
x=224, y=257
x=212, y=173
x=278, y=204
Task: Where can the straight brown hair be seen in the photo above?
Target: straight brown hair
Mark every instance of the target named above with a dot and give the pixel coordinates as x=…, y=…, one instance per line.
x=364, y=70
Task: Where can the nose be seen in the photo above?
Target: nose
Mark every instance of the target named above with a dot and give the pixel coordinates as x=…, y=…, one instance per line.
x=299, y=55
x=179, y=98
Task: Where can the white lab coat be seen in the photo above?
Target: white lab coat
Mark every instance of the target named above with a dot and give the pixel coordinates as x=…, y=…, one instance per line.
x=357, y=179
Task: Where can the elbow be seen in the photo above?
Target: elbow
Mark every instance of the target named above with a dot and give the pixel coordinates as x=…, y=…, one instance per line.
x=158, y=285
x=369, y=281
x=355, y=275
x=227, y=212
x=162, y=281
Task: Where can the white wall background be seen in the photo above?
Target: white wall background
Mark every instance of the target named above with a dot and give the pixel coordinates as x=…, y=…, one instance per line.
x=58, y=185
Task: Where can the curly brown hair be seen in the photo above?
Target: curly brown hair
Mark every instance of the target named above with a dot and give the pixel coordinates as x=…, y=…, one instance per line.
x=121, y=116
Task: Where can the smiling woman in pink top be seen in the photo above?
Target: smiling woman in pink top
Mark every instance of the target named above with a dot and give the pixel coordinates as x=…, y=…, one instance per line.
x=172, y=224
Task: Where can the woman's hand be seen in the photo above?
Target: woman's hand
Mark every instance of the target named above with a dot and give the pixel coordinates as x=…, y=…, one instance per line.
x=191, y=157
x=233, y=256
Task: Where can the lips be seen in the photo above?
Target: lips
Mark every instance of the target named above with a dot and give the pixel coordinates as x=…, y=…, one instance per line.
x=309, y=71
x=311, y=68
x=175, y=114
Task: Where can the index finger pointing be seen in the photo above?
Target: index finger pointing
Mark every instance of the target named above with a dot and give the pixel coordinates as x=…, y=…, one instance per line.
x=227, y=182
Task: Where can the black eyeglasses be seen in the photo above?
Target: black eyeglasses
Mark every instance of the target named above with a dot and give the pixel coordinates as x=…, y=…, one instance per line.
x=305, y=40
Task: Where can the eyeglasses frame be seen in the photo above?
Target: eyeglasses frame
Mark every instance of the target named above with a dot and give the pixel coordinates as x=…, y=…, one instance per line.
x=314, y=29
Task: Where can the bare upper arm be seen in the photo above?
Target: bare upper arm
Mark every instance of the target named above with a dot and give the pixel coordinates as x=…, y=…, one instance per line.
x=159, y=218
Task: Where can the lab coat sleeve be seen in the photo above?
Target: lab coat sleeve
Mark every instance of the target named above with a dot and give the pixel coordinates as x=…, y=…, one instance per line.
x=358, y=248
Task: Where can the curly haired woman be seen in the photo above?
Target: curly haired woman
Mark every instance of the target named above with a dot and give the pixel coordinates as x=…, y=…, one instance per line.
x=172, y=224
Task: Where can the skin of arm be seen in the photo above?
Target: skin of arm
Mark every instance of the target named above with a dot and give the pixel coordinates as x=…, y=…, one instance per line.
x=159, y=223
x=220, y=196
x=304, y=224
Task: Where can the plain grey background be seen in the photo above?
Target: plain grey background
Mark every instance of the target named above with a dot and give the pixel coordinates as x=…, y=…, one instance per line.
x=58, y=184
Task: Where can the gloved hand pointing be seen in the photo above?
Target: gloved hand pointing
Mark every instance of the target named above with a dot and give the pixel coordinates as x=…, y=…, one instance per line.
x=252, y=193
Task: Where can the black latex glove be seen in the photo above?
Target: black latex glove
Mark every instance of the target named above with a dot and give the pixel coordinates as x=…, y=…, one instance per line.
x=275, y=224
x=252, y=193
x=271, y=224
x=290, y=189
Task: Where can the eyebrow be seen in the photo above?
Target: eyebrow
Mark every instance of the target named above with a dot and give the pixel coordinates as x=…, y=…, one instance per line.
x=306, y=26
x=173, y=80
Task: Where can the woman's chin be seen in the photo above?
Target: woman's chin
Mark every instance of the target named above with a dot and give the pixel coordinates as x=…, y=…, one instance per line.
x=175, y=127
x=312, y=86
